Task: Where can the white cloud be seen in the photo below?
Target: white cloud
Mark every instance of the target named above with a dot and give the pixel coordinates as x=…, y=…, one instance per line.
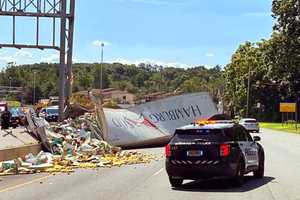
x=55, y=59
x=151, y=62
x=75, y=60
x=51, y=59
x=19, y=55
x=22, y=53
x=209, y=54
x=99, y=43
x=7, y=59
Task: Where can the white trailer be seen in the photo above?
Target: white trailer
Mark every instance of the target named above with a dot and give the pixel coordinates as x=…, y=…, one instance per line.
x=153, y=123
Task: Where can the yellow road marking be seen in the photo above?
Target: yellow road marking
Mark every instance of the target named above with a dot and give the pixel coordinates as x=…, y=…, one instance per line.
x=24, y=184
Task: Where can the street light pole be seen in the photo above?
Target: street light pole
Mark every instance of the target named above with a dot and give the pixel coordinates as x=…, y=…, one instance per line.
x=9, y=91
x=9, y=84
x=33, y=100
x=161, y=79
x=248, y=92
x=101, y=66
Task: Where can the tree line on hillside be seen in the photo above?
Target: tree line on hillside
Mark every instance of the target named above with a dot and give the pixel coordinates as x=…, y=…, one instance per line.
x=274, y=66
x=139, y=80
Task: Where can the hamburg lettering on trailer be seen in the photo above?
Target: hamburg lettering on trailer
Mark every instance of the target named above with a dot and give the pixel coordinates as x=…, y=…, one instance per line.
x=154, y=118
x=167, y=115
x=193, y=111
x=178, y=111
x=198, y=109
x=188, y=114
x=172, y=114
x=176, y=114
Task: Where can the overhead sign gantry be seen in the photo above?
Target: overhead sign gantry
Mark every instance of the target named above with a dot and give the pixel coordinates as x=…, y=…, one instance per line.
x=62, y=10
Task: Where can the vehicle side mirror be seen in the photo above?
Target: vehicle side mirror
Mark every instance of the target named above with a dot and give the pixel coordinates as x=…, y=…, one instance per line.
x=256, y=138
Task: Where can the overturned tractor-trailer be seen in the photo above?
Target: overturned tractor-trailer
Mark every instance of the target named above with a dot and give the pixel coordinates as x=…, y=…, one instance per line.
x=147, y=125
x=153, y=123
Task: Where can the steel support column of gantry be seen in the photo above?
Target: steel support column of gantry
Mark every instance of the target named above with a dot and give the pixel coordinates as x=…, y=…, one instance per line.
x=63, y=10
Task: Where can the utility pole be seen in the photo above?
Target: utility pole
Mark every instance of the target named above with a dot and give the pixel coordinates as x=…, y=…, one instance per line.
x=33, y=100
x=9, y=91
x=161, y=79
x=248, y=92
x=101, y=66
x=62, y=61
x=9, y=84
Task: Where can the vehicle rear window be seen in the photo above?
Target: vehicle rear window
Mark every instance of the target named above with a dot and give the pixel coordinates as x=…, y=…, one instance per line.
x=14, y=113
x=199, y=132
x=205, y=135
x=52, y=111
x=251, y=121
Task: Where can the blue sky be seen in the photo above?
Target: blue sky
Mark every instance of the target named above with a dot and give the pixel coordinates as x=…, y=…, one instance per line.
x=182, y=33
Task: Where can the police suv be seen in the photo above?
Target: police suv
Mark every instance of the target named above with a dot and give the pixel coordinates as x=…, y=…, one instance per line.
x=213, y=149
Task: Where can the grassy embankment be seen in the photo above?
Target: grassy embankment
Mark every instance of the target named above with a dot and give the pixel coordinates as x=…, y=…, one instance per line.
x=281, y=127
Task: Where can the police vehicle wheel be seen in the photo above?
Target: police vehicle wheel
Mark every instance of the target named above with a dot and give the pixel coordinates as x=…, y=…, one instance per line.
x=175, y=182
x=259, y=173
x=239, y=177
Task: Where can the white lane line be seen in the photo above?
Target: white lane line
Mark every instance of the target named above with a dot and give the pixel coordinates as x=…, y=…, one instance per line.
x=158, y=172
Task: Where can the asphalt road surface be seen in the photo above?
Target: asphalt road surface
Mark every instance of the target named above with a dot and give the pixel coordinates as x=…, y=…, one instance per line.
x=145, y=182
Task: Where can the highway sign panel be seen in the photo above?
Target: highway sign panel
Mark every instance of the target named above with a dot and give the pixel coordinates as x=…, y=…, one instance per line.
x=288, y=107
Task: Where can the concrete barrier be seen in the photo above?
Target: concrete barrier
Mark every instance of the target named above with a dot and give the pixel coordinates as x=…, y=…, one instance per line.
x=16, y=152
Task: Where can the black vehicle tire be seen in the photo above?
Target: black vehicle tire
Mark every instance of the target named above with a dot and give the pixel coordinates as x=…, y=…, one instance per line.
x=259, y=173
x=240, y=172
x=175, y=182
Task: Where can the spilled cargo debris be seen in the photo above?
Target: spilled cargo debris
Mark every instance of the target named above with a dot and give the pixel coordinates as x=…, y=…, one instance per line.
x=70, y=145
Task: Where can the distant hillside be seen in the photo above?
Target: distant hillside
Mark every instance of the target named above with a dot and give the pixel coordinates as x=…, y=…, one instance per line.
x=140, y=80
